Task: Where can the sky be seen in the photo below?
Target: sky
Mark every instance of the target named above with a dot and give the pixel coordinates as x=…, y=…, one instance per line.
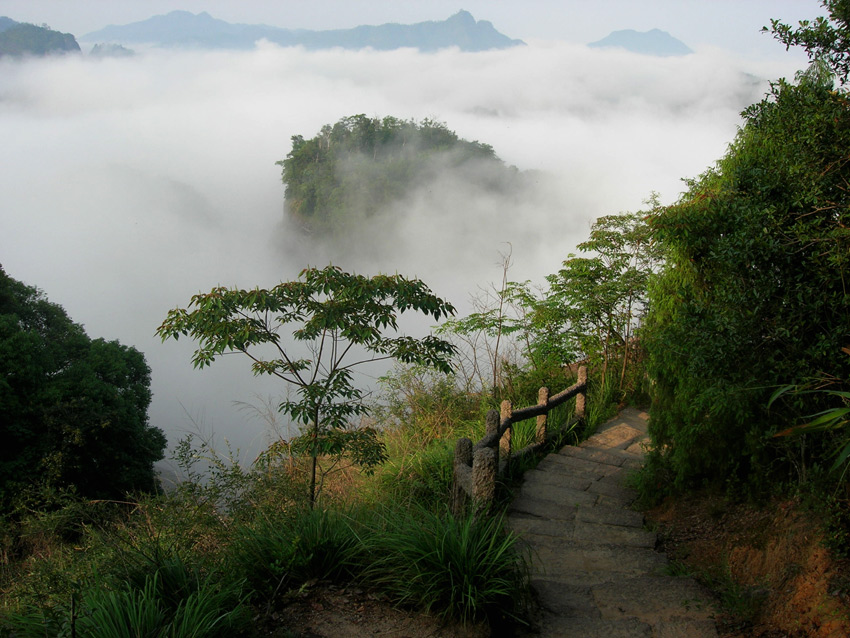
x=730, y=24
x=131, y=184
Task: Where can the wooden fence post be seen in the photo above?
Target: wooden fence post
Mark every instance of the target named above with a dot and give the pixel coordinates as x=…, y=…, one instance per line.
x=581, y=397
x=542, y=399
x=507, y=411
x=463, y=456
x=491, y=425
x=483, y=478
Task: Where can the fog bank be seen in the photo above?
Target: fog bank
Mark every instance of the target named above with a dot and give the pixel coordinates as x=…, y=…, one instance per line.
x=131, y=184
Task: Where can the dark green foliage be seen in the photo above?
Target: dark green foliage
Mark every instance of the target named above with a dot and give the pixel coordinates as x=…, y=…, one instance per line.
x=28, y=39
x=353, y=170
x=151, y=608
x=74, y=410
x=278, y=553
x=754, y=294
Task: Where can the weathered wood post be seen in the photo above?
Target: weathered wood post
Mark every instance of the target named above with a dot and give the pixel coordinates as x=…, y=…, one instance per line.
x=581, y=397
x=542, y=399
x=507, y=411
x=463, y=456
x=491, y=425
x=483, y=478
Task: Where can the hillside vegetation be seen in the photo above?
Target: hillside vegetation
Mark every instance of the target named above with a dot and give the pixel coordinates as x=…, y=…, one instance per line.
x=727, y=311
x=19, y=39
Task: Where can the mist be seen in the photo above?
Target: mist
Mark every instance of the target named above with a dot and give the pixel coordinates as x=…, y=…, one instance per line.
x=131, y=184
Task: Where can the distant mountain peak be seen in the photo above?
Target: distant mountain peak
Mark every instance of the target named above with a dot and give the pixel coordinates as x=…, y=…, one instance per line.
x=653, y=42
x=463, y=17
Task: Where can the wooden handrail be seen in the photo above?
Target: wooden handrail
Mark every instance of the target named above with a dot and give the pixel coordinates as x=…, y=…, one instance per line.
x=476, y=467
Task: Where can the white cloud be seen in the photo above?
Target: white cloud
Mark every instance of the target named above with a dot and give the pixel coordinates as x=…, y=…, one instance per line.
x=131, y=184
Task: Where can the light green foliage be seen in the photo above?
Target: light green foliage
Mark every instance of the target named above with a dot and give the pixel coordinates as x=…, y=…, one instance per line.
x=339, y=317
x=352, y=170
x=421, y=416
x=73, y=409
x=590, y=311
x=825, y=38
x=754, y=293
x=603, y=296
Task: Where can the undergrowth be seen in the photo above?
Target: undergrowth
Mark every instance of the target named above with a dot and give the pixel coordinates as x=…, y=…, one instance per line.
x=229, y=545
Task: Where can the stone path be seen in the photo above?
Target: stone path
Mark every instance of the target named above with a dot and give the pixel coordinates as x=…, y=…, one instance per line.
x=594, y=566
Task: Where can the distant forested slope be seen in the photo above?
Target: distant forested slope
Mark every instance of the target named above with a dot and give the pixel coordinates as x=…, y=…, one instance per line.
x=18, y=38
x=359, y=167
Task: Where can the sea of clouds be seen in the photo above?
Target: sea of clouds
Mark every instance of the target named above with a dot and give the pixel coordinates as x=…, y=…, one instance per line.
x=130, y=184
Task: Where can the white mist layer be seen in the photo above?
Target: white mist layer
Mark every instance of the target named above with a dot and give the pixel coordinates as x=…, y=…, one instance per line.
x=129, y=185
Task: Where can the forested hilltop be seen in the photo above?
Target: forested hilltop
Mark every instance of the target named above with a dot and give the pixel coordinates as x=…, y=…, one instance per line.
x=18, y=39
x=357, y=168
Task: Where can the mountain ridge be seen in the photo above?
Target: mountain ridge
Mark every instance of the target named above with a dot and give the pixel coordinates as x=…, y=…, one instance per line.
x=185, y=29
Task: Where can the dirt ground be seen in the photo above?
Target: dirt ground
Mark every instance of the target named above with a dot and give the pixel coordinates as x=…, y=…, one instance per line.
x=772, y=574
x=331, y=611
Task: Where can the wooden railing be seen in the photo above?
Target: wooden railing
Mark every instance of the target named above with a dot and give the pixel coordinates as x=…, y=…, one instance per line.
x=476, y=467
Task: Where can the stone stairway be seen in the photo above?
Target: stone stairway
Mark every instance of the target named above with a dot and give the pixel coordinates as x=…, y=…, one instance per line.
x=594, y=567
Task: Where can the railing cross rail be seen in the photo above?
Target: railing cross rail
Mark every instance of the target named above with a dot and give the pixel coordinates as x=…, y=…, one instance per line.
x=477, y=466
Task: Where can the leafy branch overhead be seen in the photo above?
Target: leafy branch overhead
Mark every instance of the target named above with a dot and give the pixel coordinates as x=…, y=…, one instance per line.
x=342, y=321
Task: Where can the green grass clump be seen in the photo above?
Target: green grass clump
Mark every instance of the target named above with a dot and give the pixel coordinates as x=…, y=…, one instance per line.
x=156, y=609
x=466, y=568
x=275, y=554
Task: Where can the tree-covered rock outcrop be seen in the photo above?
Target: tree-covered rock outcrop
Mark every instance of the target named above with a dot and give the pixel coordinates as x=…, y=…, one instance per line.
x=73, y=410
x=359, y=167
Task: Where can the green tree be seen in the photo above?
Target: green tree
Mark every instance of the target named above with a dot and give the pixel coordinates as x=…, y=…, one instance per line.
x=341, y=319
x=352, y=170
x=603, y=296
x=825, y=38
x=591, y=309
x=73, y=409
x=755, y=292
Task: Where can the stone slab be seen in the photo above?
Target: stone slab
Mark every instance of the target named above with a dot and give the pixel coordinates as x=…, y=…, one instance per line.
x=653, y=598
x=612, y=535
x=558, y=627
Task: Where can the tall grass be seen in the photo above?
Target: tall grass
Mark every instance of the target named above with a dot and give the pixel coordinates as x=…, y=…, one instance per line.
x=205, y=610
x=468, y=568
x=275, y=554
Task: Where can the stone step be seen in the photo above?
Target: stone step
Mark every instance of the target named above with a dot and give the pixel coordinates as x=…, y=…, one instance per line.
x=598, y=455
x=593, y=565
x=652, y=598
x=603, y=514
x=586, y=563
x=580, y=468
x=619, y=437
x=561, y=627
